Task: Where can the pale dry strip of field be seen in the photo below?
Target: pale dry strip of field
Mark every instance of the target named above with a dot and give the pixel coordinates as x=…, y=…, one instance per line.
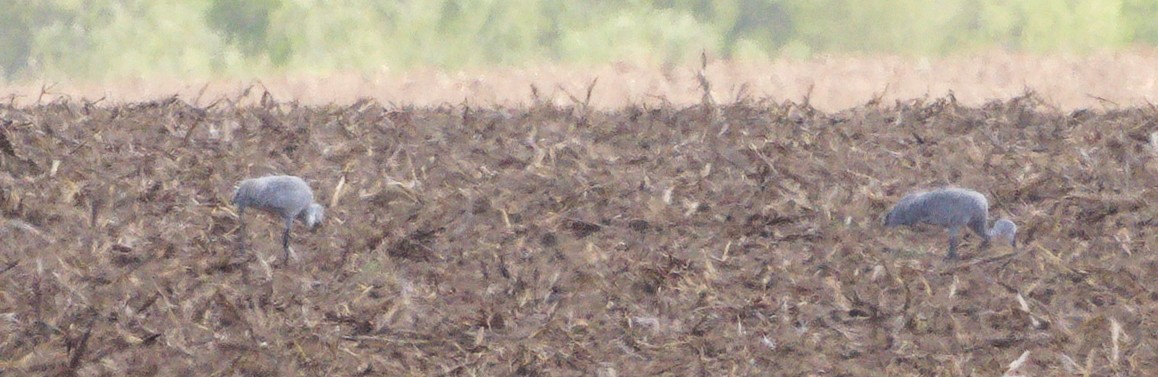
x=1106, y=80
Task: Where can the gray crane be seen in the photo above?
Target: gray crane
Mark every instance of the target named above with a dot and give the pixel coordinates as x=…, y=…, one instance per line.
x=951, y=208
x=283, y=195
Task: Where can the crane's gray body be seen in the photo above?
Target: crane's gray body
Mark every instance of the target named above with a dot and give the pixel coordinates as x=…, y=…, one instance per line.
x=286, y=196
x=951, y=208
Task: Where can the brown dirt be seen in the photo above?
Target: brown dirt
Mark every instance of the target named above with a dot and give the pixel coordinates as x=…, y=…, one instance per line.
x=733, y=239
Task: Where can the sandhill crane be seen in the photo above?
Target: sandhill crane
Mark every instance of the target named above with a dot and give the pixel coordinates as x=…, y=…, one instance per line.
x=286, y=196
x=951, y=208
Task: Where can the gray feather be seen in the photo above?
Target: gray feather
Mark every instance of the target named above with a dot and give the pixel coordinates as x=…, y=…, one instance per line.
x=287, y=197
x=951, y=208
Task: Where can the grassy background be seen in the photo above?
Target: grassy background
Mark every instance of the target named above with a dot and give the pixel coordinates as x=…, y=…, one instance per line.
x=116, y=39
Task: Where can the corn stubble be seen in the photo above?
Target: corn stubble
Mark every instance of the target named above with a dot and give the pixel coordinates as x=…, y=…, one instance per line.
x=732, y=237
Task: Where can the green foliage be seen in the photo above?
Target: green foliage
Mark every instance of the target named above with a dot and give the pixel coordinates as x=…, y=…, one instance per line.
x=1049, y=25
x=901, y=26
x=638, y=34
x=99, y=39
x=741, y=24
x=1140, y=14
x=244, y=22
x=18, y=26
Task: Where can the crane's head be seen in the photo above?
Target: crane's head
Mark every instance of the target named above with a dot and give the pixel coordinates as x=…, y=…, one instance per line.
x=313, y=215
x=889, y=219
x=245, y=193
x=1005, y=229
x=237, y=195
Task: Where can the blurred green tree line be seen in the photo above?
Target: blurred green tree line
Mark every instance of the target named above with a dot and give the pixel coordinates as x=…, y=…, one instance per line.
x=96, y=39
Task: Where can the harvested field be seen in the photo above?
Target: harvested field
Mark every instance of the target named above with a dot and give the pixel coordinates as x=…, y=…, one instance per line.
x=740, y=238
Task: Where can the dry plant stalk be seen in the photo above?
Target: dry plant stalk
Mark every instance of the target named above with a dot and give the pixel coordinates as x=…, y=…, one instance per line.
x=559, y=238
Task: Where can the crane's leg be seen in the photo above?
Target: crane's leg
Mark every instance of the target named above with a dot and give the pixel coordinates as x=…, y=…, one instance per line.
x=241, y=229
x=953, y=240
x=978, y=225
x=285, y=238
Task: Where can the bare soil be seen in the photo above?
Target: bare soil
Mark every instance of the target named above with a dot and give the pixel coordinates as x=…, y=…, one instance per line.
x=1110, y=80
x=720, y=238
